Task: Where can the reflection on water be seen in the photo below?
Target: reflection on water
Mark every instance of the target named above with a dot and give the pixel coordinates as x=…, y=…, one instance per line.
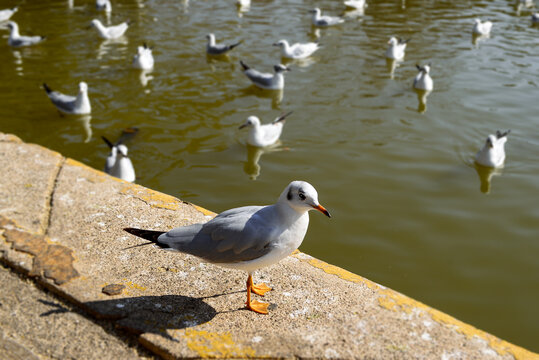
x=485, y=176
x=354, y=13
x=108, y=47
x=252, y=167
x=476, y=38
x=276, y=96
x=84, y=121
x=391, y=65
x=145, y=77
x=422, y=100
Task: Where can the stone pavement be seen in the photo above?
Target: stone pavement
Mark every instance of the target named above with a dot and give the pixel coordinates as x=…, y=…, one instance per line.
x=61, y=223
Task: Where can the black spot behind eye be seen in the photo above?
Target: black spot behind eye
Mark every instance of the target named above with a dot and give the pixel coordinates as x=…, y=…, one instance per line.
x=289, y=195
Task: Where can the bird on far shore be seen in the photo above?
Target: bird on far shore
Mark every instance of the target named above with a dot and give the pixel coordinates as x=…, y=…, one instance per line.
x=67, y=104
x=492, y=154
x=212, y=48
x=266, y=81
x=423, y=81
x=266, y=134
x=17, y=40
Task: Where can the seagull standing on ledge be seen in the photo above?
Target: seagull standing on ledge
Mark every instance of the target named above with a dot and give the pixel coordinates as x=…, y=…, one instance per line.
x=264, y=135
x=423, y=81
x=218, y=49
x=110, y=32
x=16, y=40
x=76, y=105
x=297, y=50
x=266, y=80
x=143, y=59
x=396, y=48
x=7, y=13
x=118, y=164
x=246, y=238
x=325, y=20
x=481, y=29
x=492, y=154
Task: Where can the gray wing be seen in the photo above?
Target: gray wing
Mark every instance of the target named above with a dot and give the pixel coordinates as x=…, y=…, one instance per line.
x=233, y=236
x=262, y=79
x=62, y=101
x=218, y=49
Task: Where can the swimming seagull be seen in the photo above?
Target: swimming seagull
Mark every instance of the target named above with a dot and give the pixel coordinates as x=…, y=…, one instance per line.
x=143, y=59
x=218, y=49
x=423, y=81
x=103, y=5
x=480, y=28
x=7, y=13
x=118, y=164
x=297, y=50
x=77, y=105
x=110, y=32
x=266, y=80
x=396, y=48
x=325, y=20
x=16, y=40
x=356, y=4
x=264, y=135
x=246, y=238
x=492, y=154
x=535, y=18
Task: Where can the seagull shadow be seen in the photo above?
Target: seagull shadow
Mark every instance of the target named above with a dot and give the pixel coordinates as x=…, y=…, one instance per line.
x=276, y=96
x=485, y=176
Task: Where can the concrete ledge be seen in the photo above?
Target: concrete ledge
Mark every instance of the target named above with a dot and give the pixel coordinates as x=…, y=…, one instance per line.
x=61, y=222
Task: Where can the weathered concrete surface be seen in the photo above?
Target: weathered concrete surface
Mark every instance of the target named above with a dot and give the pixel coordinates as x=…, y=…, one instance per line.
x=181, y=308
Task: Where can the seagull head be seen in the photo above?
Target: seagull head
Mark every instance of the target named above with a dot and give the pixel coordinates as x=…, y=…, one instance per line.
x=393, y=41
x=490, y=141
x=11, y=25
x=302, y=197
x=122, y=150
x=316, y=12
x=280, y=43
x=210, y=37
x=280, y=68
x=94, y=23
x=477, y=21
x=83, y=87
x=251, y=121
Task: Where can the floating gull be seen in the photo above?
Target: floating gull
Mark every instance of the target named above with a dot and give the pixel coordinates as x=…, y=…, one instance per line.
x=480, y=28
x=297, y=50
x=110, y=32
x=77, y=105
x=423, y=81
x=218, y=49
x=264, y=135
x=535, y=18
x=17, y=40
x=319, y=20
x=492, y=154
x=7, y=13
x=143, y=59
x=266, y=80
x=396, y=48
x=103, y=5
x=118, y=164
x=356, y=4
x=246, y=238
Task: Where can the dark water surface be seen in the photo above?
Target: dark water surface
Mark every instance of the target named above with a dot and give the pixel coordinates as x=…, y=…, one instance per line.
x=409, y=210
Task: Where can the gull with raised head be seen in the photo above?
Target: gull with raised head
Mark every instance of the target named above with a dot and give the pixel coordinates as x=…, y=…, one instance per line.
x=212, y=48
x=481, y=28
x=423, y=81
x=492, y=154
x=266, y=80
x=110, y=32
x=67, y=104
x=396, y=48
x=297, y=50
x=103, y=5
x=16, y=40
x=246, y=238
x=7, y=13
x=324, y=20
x=143, y=59
x=266, y=134
x=118, y=164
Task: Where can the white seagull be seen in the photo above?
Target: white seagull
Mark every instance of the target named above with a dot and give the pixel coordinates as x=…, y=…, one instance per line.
x=7, y=13
x=492, y=154
x=297, y=50
x=423, y=81
x=264, y=135
x=103, y=5
x=356, y=4
x=266, y=80
x=480, y=28
x=396, y=48
x=67, y=104
x=218, y=49
x=110, y=32
x=143, y=59
x=118, y=164
x=16, y=40
x=325, y=20
x=535, y=18
x=246, y=238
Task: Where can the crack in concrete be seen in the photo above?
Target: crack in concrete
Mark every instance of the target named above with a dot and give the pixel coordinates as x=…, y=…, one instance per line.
x=48, y=217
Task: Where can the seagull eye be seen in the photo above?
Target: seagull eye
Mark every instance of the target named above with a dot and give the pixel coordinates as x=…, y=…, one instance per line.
x=301, y=196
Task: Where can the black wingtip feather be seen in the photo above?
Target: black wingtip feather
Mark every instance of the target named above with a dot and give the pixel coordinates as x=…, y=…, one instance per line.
x=47, y=88
x=150, y=235
x=244, y=66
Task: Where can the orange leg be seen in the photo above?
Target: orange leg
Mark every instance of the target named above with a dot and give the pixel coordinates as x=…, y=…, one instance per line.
x=256, y=306
x=259, y=289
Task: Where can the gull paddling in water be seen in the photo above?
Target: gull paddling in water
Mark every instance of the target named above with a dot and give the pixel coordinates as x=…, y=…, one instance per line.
x=218, y=49
x=423, y=81
x=324, y=20
x=481, y=28
x=266, y=80
x=16, y=40
x=118, y=164
x=110, y=32
x=297, y=50
x=356, y=4
x=7, y=13
x=143, y=59
x=492, y=154
x=103, y=5
x=396, y=48
x=264, y=135
x=67, y=104
x=246, y=238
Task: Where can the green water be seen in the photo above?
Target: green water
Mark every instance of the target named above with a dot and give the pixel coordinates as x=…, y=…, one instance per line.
x=408, y=210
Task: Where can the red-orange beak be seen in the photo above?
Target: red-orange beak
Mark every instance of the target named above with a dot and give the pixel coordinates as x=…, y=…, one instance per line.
x=322, y=210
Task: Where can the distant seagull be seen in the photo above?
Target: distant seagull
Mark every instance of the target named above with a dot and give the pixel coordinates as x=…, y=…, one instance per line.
x=264, y=135
x=356, y=4
x=535, y=18
x=396, y=48
x=103, y=5
x=118, y=164
x=7, y=13
x=266, y=80
x=480, y=28
x=297, y=50
x=218, y=49
x=322, y=21
x=110, y=32
x=77, y=105
x=243, y=2
x=17, y=40
x=423, y=81
x=143, y=59
x=492, y=154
